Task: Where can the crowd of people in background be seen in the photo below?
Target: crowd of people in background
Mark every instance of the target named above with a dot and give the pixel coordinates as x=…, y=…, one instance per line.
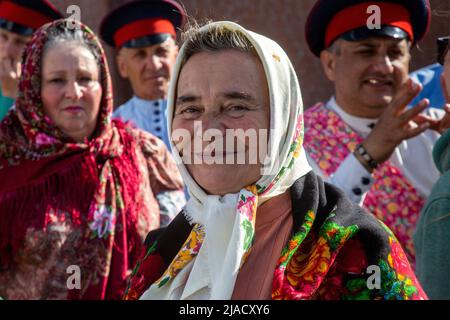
x=359, y=181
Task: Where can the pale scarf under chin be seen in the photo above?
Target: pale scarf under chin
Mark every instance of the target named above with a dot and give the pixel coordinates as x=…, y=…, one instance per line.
x=229, y=221
x=221, y=223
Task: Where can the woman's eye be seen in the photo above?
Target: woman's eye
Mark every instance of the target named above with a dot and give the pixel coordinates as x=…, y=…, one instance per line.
x=237, y=108
x=56, y=80
x=190, y=112
x=236, y=111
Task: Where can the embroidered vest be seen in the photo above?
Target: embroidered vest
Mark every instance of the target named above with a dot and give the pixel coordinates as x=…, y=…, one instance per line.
x=392, y=198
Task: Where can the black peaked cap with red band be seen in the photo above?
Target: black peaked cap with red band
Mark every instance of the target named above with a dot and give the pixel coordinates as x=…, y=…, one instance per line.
x=347, y=19
x=143, y=23
x=26, y=16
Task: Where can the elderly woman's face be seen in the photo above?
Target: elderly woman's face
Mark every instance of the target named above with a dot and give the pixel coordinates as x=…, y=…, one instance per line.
x=70, y=90
x=223, y=91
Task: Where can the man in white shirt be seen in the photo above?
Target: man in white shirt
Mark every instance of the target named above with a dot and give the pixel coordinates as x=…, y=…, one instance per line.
x=365, y=139
x=144, y=33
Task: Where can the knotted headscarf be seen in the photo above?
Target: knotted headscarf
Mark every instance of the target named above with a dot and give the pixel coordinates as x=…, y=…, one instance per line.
x=209, y=262
x=46, y=175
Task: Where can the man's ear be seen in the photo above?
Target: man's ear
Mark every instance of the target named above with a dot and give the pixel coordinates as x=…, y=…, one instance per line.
x=121, y=64
x=328, y=60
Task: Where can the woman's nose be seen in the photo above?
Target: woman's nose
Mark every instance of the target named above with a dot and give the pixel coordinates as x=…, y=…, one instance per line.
x=73, y=91
x=213, y=122
x=209, y=130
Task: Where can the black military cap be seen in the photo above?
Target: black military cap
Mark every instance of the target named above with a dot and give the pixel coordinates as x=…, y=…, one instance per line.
x=142, y=23
x=348, y=19
x=26, y=16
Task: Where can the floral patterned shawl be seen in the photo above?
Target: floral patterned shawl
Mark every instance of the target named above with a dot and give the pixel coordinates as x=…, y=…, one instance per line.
x=74, y=206
x=333, y=245
x=336, y=251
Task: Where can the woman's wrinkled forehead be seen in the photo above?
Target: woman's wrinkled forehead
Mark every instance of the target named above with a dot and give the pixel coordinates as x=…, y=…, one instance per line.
x=213, y=45
x=222, y=76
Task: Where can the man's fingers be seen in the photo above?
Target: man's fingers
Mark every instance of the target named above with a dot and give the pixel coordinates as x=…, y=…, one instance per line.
x=413, y=112
x=422, y=118
x=433, y=124
x=404, y=96
x=411, y=133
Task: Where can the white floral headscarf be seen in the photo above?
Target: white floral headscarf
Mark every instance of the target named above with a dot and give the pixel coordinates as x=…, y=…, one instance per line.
x=224, y=226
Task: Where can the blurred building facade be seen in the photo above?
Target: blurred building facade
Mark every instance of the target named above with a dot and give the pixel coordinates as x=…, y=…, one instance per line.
x=281, y=20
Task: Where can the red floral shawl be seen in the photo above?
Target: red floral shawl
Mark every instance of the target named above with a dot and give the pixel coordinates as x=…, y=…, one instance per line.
x=46, y=177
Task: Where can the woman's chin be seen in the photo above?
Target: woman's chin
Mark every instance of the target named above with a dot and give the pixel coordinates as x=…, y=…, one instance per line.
x=220, y=180
x=223, y=190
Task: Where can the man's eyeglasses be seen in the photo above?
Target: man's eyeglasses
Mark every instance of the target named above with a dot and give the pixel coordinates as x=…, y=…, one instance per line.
x=443, y=48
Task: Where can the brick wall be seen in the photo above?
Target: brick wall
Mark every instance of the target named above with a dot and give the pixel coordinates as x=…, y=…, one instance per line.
x=281, y=20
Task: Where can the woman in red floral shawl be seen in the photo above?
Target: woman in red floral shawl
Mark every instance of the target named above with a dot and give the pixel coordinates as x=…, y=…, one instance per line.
x=77, y=190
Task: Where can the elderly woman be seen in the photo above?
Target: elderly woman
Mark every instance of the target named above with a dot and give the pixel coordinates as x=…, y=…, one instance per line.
x=270, y=230
x=432, y=236
x=78, y=192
